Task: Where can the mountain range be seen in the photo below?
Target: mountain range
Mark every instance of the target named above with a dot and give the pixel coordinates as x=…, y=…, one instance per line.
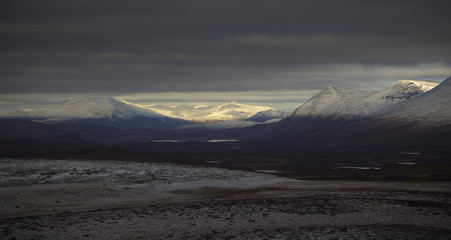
x=400, y=133
x=429, y=109
x=406, y=103
x=225, y=112
x=105, y=112
x=346, y=103
x=418, y=121
x=122, y=114
x=337, y=105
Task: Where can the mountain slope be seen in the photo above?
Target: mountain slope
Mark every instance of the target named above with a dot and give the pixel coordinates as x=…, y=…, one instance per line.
x=122, y=114
x=107, y=112
x=225, y=112
x=422, y=123
x=337, y=102
x=333, y=102
x=95, y=108
x=233, y=111
x=267, y=115
x=431, y=108
x=335, y=105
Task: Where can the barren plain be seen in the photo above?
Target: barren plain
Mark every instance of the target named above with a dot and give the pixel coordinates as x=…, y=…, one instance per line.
x=79, y=199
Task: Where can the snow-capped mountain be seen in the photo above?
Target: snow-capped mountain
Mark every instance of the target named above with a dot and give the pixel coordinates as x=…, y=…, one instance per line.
x=225, y=112
x=234, y=111
x=111, y=112
x=431, y=108
x=106, y=112
x=345, y=103
x=95, y=108
x=264, y=116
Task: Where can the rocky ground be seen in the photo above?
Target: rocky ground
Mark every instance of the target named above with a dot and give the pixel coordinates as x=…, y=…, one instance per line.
x=51, y=199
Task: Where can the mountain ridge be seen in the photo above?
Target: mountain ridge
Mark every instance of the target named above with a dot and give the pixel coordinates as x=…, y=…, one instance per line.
x=338, y=102
x=104, y=112
x=95, y=108
x=430, y=108
x=225, y=112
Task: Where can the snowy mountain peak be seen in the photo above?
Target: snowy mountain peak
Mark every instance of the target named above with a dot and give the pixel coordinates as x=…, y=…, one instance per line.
x=337, y=102
x=425, y=85
x=224, y=112
x=407, y=89
x=233, y=111
x=95, y=108
x=333, y=89
x=432, y=107
x=331, y=102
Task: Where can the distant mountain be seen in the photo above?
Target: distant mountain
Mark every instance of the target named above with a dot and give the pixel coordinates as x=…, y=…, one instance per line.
x=234, y=111
x=421, y=121
x=336, y=105
x=225, y=112
x=432, y=108
x=95, y=108
x=105, y=112
x=113, y=113
x=344, y=103
x=263, y=117
x=268, y=115
x=406, y=116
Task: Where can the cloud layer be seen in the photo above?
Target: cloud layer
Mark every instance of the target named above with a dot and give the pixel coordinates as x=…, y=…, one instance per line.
x=119, y=47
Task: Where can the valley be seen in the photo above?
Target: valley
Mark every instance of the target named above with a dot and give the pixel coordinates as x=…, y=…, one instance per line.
x=345, y=164
x=225, y=120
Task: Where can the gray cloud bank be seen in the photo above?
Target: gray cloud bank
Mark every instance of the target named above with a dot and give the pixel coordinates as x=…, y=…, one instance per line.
x=127, y=47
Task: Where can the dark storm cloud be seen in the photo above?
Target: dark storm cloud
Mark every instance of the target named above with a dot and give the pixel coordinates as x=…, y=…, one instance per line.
x=152, y=46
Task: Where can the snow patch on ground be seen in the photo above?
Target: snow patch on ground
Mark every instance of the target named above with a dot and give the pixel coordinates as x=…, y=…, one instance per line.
x=157, y=176
x=359, y=168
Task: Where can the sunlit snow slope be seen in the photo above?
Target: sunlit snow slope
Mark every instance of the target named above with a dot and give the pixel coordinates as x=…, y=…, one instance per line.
x=337, y=102
x=225, y=112
x=431, y=108
x=106, y=112
x=95, y=108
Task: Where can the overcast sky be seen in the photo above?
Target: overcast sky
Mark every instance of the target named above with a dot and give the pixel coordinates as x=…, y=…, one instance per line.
x=170, y=52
